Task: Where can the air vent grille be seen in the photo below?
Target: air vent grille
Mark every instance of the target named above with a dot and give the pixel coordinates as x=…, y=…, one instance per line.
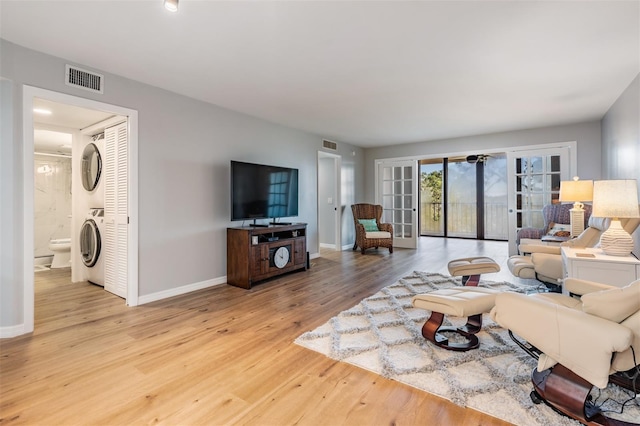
x=84, y=79
x=329, y=145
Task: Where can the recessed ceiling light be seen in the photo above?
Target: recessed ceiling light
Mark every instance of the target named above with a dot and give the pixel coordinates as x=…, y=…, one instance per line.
x=42, y=111
x=171, y=5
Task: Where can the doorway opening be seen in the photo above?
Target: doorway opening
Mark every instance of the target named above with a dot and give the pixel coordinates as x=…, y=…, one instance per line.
x=329, y=201
x=31, y=95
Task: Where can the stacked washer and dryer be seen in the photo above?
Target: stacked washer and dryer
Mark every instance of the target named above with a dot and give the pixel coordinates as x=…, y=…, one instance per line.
x=92, y=230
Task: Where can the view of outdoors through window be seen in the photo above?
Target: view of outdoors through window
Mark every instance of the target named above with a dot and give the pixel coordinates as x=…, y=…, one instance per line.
x=467, y=199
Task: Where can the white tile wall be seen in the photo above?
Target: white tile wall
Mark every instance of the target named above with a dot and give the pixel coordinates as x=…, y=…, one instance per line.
x=52, y=201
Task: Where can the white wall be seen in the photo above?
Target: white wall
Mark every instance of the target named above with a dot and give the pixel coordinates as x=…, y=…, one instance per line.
x=10, y=219
x=51, y=201
x=621, y=141
x=184, y=149
x=587, y=136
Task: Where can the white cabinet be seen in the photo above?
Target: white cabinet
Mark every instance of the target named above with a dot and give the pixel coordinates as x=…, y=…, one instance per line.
x=593, y=265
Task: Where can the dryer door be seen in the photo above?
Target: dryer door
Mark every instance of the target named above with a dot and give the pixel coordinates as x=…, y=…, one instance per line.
x=89, y=242
x=91, y=167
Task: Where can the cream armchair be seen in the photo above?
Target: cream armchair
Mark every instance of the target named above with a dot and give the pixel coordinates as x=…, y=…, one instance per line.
x=579, y=342
x=545, y=262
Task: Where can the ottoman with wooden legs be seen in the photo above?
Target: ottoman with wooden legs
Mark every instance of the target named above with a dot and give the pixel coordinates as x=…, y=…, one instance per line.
x=470, y=302
x=470, y=268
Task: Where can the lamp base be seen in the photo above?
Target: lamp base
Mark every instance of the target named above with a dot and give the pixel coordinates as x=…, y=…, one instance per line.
x=577, y=221
x=615, y=241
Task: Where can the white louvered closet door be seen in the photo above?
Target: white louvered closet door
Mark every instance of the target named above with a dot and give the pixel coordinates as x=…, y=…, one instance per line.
x=115, y=210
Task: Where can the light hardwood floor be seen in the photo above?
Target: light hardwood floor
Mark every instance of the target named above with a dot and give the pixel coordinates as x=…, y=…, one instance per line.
x=219, y=356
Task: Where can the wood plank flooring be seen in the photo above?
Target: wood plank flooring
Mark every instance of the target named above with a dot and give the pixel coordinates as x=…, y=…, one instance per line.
x=219, y=356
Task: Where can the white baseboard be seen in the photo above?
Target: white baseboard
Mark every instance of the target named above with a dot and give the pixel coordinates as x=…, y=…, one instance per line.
x=148, y=298
x=11, y=331
x=328, y=246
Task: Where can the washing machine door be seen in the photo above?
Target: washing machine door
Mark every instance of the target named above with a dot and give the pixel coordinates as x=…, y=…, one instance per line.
x=90, y=244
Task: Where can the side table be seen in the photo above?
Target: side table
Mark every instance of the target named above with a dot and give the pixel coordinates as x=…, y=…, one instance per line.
x=593, y=265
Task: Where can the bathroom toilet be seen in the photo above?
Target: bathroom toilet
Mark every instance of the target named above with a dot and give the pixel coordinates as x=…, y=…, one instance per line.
x=61, y=249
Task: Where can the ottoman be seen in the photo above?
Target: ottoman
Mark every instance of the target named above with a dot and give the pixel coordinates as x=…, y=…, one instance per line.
x=470, y=268
x=521, y=266
x=470, y=302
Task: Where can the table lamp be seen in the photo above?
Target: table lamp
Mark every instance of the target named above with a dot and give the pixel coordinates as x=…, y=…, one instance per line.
x=577, y=191
x=616, y=199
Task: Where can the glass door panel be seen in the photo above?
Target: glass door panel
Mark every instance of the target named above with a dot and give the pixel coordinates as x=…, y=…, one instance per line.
x=431, y=198
x=461, y=199
x=495, y=198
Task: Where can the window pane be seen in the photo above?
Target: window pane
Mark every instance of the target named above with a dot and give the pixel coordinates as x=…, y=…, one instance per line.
x=461, y=206
x=495, y=198
x=431, y=220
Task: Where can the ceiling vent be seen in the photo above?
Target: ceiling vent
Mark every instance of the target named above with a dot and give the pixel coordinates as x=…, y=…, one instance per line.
x=329, y=145
x=84, y=79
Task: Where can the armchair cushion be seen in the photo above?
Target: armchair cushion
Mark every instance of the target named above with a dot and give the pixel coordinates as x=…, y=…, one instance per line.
x=614, y=304
x=370, y=225
x=377, y=234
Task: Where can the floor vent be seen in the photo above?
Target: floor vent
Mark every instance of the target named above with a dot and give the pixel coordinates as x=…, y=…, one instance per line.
x=329, y=145
x=83, y=79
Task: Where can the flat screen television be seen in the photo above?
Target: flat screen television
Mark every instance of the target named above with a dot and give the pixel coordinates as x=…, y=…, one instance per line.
x=260, y=191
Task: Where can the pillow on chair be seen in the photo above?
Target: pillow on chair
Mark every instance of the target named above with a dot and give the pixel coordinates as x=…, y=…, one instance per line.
x=615, y=304
x=370, y=225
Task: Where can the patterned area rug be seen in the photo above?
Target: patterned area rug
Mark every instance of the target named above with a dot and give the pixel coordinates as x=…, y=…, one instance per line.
x=383, y=334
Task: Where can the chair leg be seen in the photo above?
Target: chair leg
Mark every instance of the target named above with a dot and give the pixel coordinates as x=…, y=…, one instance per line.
x=391, y=249
x=568, y=393
x=432, y=329
x=362, y=250
x=470, y=280
x=355, y=246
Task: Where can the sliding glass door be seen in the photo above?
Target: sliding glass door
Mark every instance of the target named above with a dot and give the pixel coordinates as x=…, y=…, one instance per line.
x=464, y=198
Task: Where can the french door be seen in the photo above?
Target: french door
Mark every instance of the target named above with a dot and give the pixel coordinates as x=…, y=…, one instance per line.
x=534, y=181
x=396, y=189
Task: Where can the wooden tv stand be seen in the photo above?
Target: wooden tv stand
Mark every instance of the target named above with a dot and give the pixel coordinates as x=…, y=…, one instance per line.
x=251, y=252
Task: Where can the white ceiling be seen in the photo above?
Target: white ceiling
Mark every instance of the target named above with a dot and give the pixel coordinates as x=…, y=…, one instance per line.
x=363, y=72
x=53, y=130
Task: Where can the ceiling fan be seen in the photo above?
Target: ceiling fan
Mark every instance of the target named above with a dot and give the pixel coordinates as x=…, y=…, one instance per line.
x=479, y=158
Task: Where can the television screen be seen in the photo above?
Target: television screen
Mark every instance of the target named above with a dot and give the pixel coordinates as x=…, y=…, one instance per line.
x=260, y=191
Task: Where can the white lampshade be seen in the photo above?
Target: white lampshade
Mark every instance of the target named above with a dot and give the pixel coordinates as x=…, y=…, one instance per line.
x=576, y=190
x=616, y=199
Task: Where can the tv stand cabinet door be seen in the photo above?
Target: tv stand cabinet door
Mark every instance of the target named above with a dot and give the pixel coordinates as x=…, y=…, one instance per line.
x=300, y=252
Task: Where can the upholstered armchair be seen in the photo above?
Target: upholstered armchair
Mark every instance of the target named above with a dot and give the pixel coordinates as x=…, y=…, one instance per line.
x=552, y=214
x=579, y=342
x=370, y=231
x=545, y=262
